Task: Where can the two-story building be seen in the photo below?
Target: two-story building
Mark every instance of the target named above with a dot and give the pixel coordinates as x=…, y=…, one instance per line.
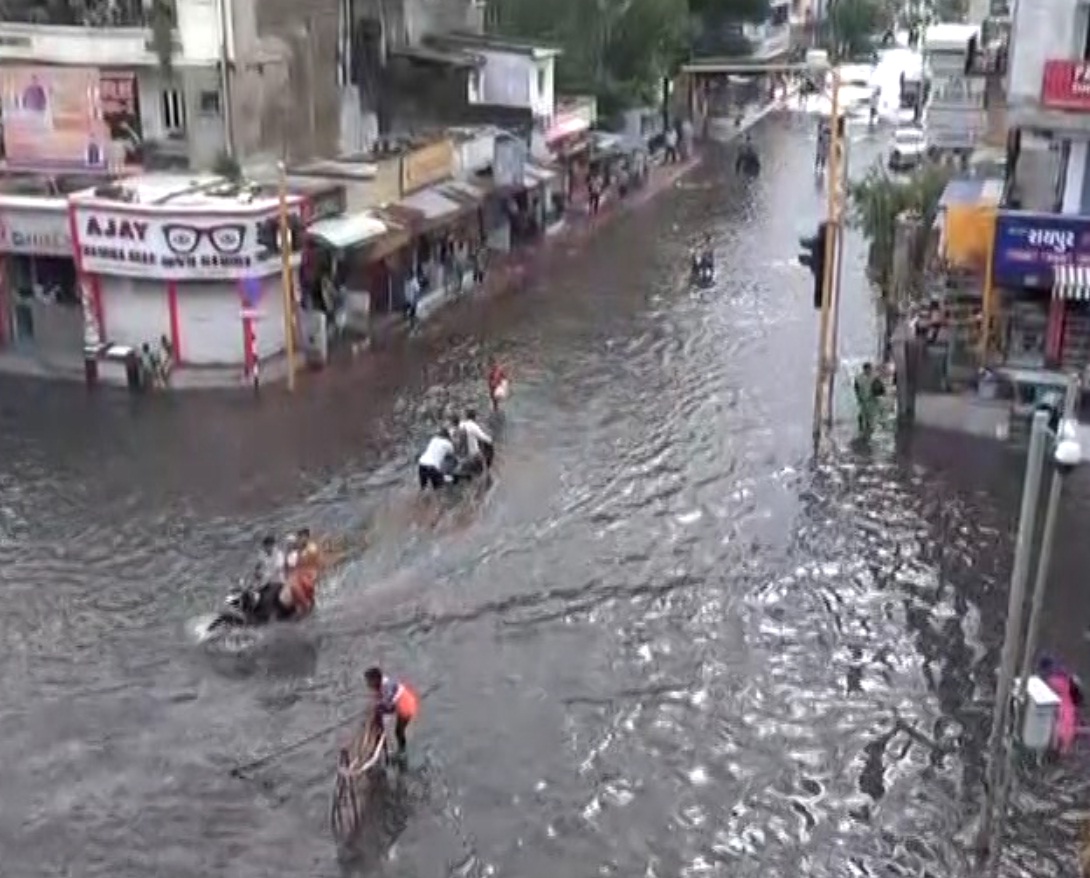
x=176, y=82
x=954, y=119
x=1041, y=263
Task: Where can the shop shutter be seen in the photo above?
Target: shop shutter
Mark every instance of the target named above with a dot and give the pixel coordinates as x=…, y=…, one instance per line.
x=136, y=311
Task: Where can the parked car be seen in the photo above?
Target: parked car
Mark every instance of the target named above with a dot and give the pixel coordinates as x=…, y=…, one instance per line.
x=908, y=149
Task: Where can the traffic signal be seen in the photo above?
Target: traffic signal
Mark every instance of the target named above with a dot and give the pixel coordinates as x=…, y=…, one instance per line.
x=813, y=257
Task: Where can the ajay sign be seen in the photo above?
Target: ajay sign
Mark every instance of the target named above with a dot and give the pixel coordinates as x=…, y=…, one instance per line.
x=1028, y=246
x=176, y=246
x=35, y=231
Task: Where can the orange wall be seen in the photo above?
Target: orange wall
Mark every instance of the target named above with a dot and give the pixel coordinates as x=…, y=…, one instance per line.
x=969, y=230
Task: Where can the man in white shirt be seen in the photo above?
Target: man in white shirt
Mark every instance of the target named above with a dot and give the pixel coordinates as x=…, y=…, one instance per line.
x=432, y=465
x=478, y=443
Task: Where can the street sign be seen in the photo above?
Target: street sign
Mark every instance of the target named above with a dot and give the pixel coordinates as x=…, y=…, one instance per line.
x=251, y=313
x=250, y=290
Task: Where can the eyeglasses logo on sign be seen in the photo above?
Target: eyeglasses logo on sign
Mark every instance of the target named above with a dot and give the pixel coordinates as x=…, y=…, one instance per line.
x=226, y=240
x=201, y=247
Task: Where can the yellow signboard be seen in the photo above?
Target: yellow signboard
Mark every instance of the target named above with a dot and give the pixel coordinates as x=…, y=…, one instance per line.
x=429, y=164
x=53, y=118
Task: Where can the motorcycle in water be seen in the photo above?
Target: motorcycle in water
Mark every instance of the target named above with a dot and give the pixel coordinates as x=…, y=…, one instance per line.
x=703, y=270
x=250, y=606
x=748, y=162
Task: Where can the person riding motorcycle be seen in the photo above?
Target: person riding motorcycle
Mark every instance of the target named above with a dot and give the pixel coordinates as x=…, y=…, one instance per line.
x=304, y=564
x=269, y=574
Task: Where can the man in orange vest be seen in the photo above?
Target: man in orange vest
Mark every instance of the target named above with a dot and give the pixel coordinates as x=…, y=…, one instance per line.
x=391, y=696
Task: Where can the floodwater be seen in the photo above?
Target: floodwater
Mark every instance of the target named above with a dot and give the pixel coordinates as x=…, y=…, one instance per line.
x=668, y=641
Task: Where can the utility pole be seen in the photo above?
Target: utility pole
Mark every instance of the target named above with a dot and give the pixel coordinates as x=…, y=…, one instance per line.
x=1012, y=636
x=840, y=183
x=285, y=276
x=828, y=293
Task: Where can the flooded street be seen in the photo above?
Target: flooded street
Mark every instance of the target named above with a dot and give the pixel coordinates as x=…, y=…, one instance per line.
x=666, y=642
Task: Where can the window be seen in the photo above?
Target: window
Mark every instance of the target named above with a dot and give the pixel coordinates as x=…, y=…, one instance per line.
x=542, y=81
x=173, y=111
x=474, y=86
x=210, y=103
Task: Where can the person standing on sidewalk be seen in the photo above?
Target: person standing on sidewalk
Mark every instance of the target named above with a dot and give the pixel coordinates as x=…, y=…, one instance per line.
x=594, y=193
x=671, y=145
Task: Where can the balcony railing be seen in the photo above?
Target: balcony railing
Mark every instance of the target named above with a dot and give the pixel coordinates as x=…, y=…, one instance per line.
x=1065, y=85
x=76, y=13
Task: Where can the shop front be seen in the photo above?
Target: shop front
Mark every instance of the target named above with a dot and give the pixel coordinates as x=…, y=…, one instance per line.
x=444, y=227
x=40, y=308
x=1042, y=268
x=182, y=272
x=569, y=142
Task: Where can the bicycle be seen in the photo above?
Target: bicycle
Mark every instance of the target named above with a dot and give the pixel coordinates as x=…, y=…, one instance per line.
x=373, y=755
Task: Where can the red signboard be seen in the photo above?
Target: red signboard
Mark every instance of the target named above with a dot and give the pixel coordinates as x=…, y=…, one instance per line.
x=1066, y=85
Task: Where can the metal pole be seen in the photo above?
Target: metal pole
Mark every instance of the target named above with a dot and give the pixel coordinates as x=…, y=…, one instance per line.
x=225, y=80
x=285, y=277
x=827, y=279
x=842, y=177
x=1012, y=636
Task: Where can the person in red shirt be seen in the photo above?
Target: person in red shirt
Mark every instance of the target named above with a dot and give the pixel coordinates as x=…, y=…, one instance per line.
x=499, y=386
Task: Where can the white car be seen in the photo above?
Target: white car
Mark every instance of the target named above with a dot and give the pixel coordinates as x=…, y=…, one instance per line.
x=908, y=149
x=857, y=88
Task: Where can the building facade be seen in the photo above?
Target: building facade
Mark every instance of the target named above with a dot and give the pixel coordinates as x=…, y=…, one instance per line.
x=186, y=82
x=1041, y=263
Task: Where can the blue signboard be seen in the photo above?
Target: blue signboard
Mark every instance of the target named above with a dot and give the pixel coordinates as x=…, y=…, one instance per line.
x=251, y=292
x=1028, y=246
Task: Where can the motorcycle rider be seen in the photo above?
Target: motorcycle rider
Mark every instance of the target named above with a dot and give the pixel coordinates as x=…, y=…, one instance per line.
x=269, y=574
x=304, y=563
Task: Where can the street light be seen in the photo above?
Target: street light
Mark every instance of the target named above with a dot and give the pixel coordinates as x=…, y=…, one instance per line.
x=1066, y=455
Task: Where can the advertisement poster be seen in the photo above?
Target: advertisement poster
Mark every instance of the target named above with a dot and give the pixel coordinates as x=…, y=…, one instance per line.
x=53, y=118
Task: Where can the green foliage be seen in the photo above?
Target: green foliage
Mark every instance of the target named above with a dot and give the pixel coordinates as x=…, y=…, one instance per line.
x=730, y=10
x=617, y=50
x=853, y=25
x=878, y=199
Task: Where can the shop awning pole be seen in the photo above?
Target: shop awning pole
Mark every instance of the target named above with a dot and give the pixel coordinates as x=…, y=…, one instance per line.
x=988, y=296
x=285, y=277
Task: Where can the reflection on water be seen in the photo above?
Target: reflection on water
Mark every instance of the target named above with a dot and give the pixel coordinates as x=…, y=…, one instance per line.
x=665, y=641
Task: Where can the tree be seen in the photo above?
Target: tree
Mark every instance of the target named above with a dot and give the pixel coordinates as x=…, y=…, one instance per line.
x=615, y=49
x=875, y=203
x=618, y=50
x=853, y=25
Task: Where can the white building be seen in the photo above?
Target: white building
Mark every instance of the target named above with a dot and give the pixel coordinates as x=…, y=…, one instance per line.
x=177, y=257
x=512, y=74
x=954, y=119
x=771, y=38
x=186, y=81
x=1048, y=101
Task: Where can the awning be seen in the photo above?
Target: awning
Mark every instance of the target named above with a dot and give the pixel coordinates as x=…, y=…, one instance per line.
x=342, y=232
x=425, y=210
x=607, y=143
x=1071, y=282
x=432, y=203
x=535, y=175
x=566, y=126
x=466, y=193
x=543, y=175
